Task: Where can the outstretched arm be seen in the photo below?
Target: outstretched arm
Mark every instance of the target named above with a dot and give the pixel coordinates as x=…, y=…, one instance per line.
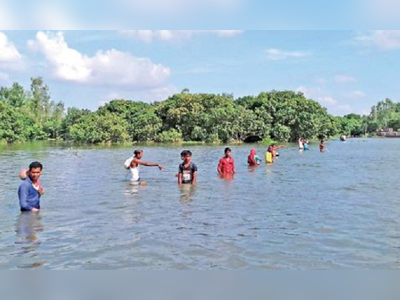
x=148, y=164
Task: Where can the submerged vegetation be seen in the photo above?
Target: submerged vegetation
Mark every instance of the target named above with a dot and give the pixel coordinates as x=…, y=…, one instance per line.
x=278, y=115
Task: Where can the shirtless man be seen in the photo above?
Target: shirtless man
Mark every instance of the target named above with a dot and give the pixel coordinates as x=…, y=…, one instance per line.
x=133, y=164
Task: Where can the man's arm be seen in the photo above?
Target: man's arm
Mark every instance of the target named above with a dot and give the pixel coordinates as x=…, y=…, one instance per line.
x=23, y=192
x=219, y=169
x=194, y=177
x=180, y=172
x=179, y=178
x=148, y=164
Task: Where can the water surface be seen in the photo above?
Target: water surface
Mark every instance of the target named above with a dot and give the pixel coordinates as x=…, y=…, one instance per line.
x=337, y=210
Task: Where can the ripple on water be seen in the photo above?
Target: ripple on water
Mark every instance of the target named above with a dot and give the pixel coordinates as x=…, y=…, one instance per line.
x=308, y=211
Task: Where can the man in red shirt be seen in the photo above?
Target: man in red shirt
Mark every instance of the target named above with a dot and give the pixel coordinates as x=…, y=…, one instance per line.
x=227, y=164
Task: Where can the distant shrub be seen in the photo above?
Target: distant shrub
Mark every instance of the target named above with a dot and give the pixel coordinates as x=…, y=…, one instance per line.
x=170, y=136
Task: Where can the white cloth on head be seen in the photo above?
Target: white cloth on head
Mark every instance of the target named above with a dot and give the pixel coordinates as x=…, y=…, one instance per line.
x=128, y=162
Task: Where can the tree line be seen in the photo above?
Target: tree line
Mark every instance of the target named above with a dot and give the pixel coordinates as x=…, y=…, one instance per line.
x=278, y=115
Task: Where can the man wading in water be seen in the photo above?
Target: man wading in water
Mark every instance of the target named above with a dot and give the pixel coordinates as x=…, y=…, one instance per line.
x=133, y=165
x=30, y=190
x=187, y=170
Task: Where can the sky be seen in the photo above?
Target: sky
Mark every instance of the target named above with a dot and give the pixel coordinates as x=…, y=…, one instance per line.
x=346, y=71
x=194, y=14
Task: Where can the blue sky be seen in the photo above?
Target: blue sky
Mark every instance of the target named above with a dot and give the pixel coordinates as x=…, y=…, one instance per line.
x=346, y=71
x=175, y=14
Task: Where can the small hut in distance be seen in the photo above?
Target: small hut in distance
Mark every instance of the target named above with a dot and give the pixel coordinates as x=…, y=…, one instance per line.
x=389, y=132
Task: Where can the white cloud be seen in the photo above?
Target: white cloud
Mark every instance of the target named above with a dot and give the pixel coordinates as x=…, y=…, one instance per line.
x=4, y=77
x=309, y=92
x=381, y=39
x=345, y=79
x=356, y=94
x=8, y=52
x=276, y=54
x=167, y=35
x=327, y=100
x=321, y=81
x=319, y=95
x=110, y=68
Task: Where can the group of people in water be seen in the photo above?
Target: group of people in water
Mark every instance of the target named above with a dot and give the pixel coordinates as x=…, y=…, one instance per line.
x=31, y=190
x=304, y=145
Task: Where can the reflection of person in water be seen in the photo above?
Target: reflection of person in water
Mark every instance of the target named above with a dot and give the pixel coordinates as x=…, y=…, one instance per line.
x=27, y=227
x=187, y=192
x=227, y=177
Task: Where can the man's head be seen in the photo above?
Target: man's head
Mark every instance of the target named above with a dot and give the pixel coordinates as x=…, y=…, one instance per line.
x=35, y=170
x=138, y=153
x=228, y=152
x=183, y=154
x=186, y=156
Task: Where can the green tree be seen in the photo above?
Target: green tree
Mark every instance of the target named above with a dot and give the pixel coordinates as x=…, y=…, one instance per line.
x=143, y=122
x=40, y=104
x=15, y=96
x=74, y=116
x=99, y=128
x=14, y=126
x=289, y=115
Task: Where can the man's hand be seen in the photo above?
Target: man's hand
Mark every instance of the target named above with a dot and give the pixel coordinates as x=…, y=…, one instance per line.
x=160, y=167
x=35, y=210
x=41, y=191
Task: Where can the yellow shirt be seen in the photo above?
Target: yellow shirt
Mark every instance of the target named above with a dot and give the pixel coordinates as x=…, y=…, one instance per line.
x=269, y=158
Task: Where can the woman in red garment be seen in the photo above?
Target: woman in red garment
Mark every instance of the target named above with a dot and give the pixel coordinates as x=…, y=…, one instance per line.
x=253, y=159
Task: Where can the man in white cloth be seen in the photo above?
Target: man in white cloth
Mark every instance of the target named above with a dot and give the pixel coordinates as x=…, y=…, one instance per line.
x=133, y=165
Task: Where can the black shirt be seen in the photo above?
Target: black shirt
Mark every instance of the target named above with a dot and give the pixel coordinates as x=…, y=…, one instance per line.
x=187, y=173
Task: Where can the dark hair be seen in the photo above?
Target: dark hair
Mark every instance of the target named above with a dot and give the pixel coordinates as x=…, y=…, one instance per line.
x=35, y=165
x=137, y=152
x=228, y=150
x=186, y=153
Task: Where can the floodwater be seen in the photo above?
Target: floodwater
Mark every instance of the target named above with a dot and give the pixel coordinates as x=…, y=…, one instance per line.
x=336, y=210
